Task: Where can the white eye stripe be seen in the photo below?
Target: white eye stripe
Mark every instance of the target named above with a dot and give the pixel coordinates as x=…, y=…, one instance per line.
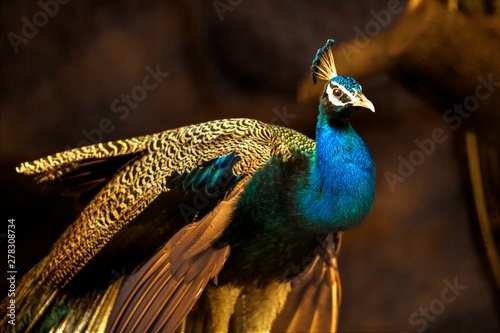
x=331, y=98
x=334, y=100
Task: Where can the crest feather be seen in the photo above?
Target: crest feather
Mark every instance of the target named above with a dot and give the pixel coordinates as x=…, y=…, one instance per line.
x=323, y=65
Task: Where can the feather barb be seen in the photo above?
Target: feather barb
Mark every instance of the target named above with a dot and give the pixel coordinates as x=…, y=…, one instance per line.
x=323, y=65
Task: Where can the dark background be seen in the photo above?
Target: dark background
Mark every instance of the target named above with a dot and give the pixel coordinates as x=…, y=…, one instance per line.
x=245, y=62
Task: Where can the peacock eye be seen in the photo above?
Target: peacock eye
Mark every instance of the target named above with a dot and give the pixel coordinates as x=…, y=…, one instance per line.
x=337, y=92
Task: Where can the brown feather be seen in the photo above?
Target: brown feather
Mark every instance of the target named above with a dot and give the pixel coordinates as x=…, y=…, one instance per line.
x=161, y=292
x=313, y=304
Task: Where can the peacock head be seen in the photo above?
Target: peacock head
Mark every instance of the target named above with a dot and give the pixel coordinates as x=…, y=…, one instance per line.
x=341, y=94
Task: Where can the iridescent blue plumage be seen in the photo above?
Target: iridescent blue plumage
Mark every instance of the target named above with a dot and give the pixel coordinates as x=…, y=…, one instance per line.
x=212, y=177
x=348, y=83
x=341, y=180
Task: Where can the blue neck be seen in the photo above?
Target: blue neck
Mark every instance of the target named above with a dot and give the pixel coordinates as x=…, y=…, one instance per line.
x=341, y=183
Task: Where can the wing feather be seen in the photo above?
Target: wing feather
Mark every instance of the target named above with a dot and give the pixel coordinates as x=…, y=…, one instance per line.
x=313, y=304
x=60, y=164
x=159, y=294
x=137, y=184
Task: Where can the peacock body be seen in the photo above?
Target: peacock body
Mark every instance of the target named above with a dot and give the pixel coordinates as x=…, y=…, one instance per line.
x=225, y=214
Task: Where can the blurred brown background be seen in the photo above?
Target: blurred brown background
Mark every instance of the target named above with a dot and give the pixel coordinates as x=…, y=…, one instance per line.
x=234, y=58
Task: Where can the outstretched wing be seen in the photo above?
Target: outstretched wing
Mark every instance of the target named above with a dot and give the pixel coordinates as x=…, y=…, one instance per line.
x=137, y=184
x=189, y=159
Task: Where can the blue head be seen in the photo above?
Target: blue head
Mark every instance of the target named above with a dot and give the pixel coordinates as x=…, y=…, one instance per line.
x=342, y=94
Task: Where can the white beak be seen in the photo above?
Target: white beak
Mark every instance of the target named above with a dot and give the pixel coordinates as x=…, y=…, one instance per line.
x=363, y=102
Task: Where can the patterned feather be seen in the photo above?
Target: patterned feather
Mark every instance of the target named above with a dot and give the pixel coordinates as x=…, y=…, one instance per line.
x=136, y=185
x=323, y=65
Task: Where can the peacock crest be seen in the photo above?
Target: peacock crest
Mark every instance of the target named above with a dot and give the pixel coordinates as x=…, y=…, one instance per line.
x=323, y=65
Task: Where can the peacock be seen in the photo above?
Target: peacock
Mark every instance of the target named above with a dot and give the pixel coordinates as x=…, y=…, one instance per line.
x=211, y=226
